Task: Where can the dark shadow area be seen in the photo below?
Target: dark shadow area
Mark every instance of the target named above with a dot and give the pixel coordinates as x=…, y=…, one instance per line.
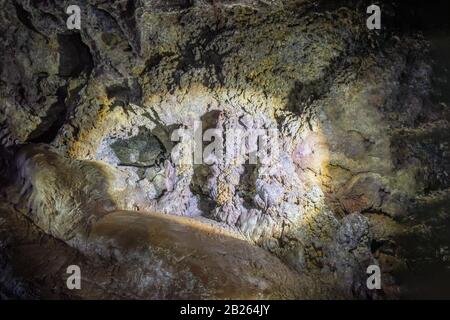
x=53, y=121
x=75, y=56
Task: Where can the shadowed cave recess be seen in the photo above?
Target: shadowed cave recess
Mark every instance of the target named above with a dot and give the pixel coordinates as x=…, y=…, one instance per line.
x=90, y=172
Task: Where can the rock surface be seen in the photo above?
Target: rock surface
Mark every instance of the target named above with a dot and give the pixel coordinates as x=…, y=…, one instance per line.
x=361, y=176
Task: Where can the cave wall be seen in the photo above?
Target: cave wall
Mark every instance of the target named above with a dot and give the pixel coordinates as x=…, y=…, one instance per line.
x=362, y=172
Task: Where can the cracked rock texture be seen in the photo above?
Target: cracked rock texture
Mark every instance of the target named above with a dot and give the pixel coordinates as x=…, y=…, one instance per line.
x=92, y=177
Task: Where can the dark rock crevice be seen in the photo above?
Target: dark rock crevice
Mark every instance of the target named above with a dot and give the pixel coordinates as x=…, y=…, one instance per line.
x=56, y=116
x=25, y=18
x=75, y=56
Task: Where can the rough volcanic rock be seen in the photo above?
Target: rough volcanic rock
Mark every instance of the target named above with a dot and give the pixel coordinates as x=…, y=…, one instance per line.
x=356, y=174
